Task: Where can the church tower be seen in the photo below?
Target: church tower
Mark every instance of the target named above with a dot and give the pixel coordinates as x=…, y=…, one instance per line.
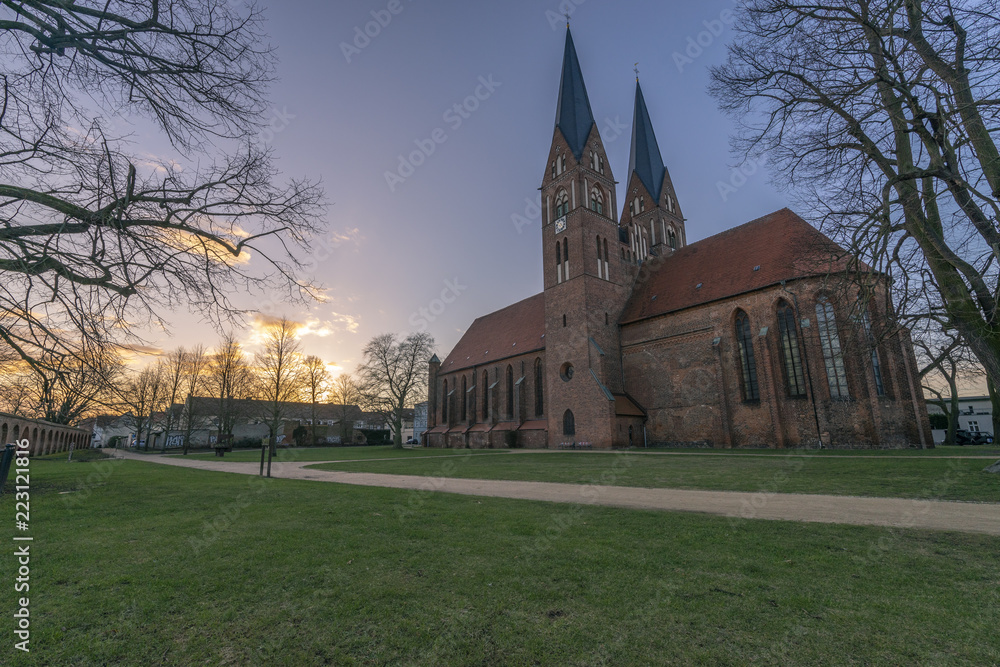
x=650, y=213
x=587, y=275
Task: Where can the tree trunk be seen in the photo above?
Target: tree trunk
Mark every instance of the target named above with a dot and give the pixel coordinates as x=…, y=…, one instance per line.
x=397, y=423
x=949, y=438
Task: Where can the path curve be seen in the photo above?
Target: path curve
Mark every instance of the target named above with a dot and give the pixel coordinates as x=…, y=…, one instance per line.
x=851, y=510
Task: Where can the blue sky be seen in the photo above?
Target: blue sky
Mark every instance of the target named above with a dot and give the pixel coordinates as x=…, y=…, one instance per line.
x=346, y=108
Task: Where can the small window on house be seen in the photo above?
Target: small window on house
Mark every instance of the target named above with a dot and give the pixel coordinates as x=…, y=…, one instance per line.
x=605, y=319
x=564, y=319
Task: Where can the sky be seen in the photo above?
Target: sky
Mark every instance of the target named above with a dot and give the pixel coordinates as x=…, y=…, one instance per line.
x=450, y=234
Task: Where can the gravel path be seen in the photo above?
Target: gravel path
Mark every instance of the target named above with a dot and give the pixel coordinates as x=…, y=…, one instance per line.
x=888, y=512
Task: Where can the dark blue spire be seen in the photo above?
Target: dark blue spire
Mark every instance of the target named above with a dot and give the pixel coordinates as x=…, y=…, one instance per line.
x=573, y=115
x=645, y=159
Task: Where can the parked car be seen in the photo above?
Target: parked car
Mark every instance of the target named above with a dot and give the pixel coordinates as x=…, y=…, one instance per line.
x=963, y=437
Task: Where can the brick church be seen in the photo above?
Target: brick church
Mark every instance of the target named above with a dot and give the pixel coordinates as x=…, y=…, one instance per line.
x=749, y=338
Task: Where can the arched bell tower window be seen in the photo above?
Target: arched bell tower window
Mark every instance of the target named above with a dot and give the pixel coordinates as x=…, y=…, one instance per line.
x=565, y=256
x=597, y=200
x=559, y=262
x=569, y=423
x=562, y=204
x=748, y=365
x=672, y=239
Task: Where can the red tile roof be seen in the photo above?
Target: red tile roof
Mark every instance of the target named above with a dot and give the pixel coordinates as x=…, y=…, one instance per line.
x=761, y=253
x=516, y=329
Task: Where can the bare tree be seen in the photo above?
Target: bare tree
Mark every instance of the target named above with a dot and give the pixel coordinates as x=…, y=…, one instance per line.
x=194, y=372
x=229, y=380
x=944, y=357
x=16, y=391
x=174, y=365
x=886, y=113
x=96, y=238
x=345, y=395
x=392, y=374
x=317, y=379
x=280, y=374
x=69, y=388
x=140, y=394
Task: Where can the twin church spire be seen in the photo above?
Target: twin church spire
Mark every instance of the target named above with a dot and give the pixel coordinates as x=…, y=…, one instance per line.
x=573, y=115
x=575, y=120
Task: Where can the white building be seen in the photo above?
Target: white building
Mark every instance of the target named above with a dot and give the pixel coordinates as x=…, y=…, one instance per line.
x=975, y=415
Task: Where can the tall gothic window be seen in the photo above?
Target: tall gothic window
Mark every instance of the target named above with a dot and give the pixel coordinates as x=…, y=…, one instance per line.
x=673, y=239
x=569, y=423
x=876, y=362
x=444, y=404
x=833, y=357
x=791, y=354
x=465, y=395
x=748, y=365
x=486, y=396
x=539, y=388
x=562, y=204
x=510, y=392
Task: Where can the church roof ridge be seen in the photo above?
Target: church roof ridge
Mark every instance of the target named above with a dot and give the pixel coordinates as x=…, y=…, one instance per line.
x=645, y=158
x=755, y=255
x=573, y=114
x=510, y=331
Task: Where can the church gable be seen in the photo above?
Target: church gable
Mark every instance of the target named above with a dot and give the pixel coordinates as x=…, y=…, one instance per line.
x=779, y=246
x=508, y=332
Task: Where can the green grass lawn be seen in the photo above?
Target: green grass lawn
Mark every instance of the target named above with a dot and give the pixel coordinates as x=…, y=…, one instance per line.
x=156, y=565
x=333, y=454
x=800, y=472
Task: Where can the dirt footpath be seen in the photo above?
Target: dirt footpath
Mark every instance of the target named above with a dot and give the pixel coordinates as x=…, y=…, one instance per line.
x=889, y=512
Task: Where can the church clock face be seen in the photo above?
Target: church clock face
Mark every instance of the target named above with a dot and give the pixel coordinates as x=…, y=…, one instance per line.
x=561, y=225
